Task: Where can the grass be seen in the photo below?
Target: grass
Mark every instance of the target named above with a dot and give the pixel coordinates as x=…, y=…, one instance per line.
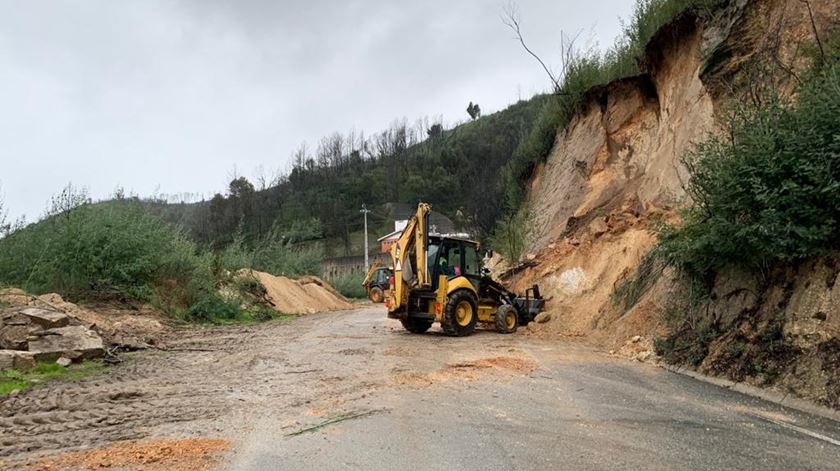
x=11, y=380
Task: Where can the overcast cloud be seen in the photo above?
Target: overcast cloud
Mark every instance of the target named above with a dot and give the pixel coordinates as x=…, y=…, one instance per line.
x=171, y=95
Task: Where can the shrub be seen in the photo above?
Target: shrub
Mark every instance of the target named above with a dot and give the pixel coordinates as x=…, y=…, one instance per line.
x=768, y=191
x=272, y=254
x=350, y=285
x=213, y=308
x=101, y=250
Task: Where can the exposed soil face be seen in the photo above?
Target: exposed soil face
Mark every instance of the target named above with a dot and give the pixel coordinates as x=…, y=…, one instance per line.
x=616, y=173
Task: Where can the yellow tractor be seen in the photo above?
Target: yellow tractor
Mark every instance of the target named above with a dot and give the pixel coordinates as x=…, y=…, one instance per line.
x=376, y=281
x=440, y=280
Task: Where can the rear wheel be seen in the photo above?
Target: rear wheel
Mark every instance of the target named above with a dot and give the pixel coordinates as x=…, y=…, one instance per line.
x=376, y=294
x=506, y=319
x=461, y=314
x=416, y=326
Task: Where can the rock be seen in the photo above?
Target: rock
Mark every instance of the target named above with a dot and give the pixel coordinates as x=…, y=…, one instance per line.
x=16, y=359
x=643, y=355
x=46, y=319
x=636, y=339
x=542, y=317
x=77, y=342
x=64, y=361
x=530, y=257
x=16, y=337
x=598, y=226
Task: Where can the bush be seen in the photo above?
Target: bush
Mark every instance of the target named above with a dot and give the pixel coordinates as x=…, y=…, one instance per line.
x=767, y=192
x=350, y=285
x=106, y=250
x=213, y=308
x=271, y=254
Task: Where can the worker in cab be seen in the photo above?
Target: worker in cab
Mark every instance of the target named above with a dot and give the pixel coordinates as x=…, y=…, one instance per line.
x=445, y=269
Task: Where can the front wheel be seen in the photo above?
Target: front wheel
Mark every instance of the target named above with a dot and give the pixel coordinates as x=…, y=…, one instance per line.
x=376, y=295
x=461, y=314
x=416, y=326
x=506, y=319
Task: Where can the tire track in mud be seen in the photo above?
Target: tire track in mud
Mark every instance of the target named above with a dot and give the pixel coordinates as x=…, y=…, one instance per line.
x=191, y=382
x=220, y=381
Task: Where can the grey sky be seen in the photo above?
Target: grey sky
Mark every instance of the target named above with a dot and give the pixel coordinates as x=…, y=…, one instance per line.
x=171, y=95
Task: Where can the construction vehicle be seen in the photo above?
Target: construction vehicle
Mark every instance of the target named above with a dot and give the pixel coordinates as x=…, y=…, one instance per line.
x=376, y=281
x=439, y=279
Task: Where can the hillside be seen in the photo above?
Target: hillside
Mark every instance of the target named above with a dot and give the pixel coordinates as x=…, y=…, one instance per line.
x=618, y=173
x=458, y=170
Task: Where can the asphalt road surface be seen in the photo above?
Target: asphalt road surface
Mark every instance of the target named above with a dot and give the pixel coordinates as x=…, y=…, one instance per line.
x=352, y=390
x=576, y=409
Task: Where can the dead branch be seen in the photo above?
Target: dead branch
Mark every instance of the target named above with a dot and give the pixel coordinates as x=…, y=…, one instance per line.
x=510, y=18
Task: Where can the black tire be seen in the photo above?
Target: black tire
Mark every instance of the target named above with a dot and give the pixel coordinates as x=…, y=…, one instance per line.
x=507, y=319
x=457, y=321
x=376, y=295
x=416, y=326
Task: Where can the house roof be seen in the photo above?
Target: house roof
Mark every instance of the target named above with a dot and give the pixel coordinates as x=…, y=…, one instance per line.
x=394, y=235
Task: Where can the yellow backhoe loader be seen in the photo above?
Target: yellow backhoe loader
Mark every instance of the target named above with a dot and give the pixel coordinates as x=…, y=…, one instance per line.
x=440, y=279
x=376, y=281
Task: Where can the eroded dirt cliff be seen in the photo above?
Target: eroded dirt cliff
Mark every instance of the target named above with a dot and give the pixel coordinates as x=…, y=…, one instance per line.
x=615, y=173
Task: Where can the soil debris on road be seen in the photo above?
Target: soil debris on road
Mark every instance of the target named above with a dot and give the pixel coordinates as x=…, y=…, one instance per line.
x=470, y=370
x=169, y=454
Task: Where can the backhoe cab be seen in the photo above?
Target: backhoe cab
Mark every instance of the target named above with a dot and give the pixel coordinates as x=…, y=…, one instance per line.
x=376, y=281
x=440, y=279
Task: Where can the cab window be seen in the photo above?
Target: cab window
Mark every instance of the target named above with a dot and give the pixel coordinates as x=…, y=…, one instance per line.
x=472, y=262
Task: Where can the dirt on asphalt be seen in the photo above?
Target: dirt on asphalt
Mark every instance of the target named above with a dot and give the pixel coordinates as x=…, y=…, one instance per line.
x=215, y=381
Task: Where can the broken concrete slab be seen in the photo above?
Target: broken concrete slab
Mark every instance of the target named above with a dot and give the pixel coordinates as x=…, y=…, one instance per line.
x=15, y=359
x=46, y=319
x=75, y=342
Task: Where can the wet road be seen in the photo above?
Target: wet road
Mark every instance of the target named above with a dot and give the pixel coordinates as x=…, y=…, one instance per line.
x=493, y=402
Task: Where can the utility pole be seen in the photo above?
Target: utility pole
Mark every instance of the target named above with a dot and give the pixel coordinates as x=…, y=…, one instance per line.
x=365, y=211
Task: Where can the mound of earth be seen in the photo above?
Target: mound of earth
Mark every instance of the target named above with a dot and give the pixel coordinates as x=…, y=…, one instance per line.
x=306, y=295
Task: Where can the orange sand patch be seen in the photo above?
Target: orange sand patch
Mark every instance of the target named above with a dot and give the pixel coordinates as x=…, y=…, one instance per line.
x=169, y=454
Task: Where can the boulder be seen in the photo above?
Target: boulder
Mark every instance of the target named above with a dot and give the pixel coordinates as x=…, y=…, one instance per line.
x=46, y=319
x=16, y=359
x=75, y=342
x=15, y=337
x=598, y=226
x=542, y=317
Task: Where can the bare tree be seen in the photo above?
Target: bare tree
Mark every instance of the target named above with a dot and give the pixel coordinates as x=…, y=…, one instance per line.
x=510, y=17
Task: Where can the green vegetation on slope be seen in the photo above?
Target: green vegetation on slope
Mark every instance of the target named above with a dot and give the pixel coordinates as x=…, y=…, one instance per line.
x=109, y=250
x=768, y=191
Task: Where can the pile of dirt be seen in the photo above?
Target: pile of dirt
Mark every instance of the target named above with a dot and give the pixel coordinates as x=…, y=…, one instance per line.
x=190, y=454
x=307, y=295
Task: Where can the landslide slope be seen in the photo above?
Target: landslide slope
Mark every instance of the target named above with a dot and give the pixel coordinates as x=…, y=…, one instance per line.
x=615, y=172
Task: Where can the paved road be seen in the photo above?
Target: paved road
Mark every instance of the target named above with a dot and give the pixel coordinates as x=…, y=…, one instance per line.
x=533, y=405
x=353, y=390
